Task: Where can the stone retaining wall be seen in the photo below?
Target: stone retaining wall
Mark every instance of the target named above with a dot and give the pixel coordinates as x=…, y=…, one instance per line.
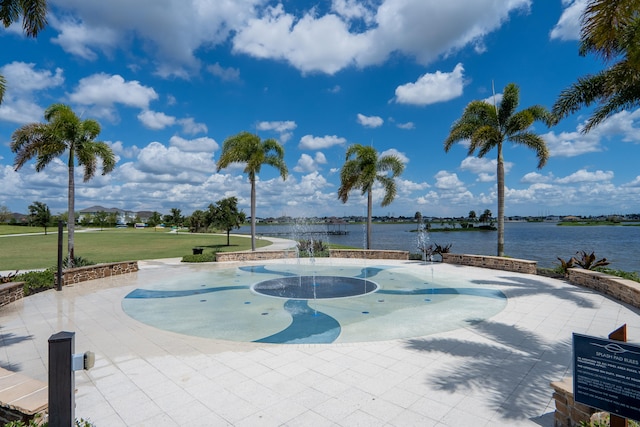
x=22, y=398
x=568, y=412
x=254, y=256
x=493, y=262
x=368, y=254
x=624, y=290
x=10, y=292
x=98, y=271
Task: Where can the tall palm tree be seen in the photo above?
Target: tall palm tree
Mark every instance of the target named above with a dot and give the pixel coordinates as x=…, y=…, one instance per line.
x=610, y=29
x=34, y=14
x=247, y=148
x=488, y=126
x=63, y=132
x=361, y=170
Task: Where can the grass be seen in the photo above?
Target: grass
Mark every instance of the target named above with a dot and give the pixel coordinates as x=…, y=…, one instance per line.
x=23, y=229
x=111, y=245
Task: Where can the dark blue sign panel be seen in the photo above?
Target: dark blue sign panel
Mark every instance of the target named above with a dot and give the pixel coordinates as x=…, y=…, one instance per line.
x=606, y=375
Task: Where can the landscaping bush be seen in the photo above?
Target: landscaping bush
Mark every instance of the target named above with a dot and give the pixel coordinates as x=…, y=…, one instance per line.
x=36, y=281
x=204, y=257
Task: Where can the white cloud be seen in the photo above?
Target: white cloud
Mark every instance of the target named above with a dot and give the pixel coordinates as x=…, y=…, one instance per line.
x=585, y=176
x=103, y=91
x=23, y=81
x=191, y=127
x=156, y=120
x=352, y=32
x=478, y=165
x=184, y=28
x=352, y=10
x=370, y=121
x=568, y=26
x=76, y=38
x=229, y=74
x=310, y=43
x=197, y=145
x=406, y=126
x=284, y=128
x=571, y=144
x=536, y=178
x=393, y=152
x=22, y=77
x=431, y=88
x=278, y=126
x=448, y=181
x=187, y=166
x=309, y=142
x=120, y=150
x=306, y=163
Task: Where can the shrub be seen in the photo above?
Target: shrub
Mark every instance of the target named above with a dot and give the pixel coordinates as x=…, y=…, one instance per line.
x=36, y=281
x=630, y=275
x=77, y=262
x=37, y=423
x=204, y=257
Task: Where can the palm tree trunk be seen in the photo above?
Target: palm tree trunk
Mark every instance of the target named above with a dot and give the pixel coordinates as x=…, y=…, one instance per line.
x=369, y=217
x=253, y=212
x=71, y=217
x=500, y=176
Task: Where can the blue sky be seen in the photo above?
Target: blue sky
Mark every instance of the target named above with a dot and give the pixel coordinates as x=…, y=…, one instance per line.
x=170, y=81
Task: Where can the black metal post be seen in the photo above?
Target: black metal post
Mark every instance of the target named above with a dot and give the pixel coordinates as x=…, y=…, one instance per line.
x=61, y=380
x=59, y=285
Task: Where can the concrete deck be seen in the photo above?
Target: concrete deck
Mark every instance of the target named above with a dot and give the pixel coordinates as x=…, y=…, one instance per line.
x=493, y=372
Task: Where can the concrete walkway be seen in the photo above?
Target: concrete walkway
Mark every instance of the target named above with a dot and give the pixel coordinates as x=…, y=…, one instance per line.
x=489, y=373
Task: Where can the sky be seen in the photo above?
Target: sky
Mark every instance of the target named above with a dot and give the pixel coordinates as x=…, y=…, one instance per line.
x=170, y=80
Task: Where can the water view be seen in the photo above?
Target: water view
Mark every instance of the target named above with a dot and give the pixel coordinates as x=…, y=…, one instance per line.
x=542, y=242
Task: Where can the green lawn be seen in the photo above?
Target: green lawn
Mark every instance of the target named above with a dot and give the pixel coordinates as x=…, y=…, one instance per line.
x=111, y=245
x=22, y=229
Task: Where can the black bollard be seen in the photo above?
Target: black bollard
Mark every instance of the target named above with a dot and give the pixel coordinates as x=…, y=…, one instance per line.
x=61, y=380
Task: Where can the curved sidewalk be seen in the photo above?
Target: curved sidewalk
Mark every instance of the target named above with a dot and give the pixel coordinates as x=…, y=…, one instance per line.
x=492, y=372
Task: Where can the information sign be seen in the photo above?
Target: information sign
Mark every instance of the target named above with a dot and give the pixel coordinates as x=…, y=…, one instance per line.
x=606, y=375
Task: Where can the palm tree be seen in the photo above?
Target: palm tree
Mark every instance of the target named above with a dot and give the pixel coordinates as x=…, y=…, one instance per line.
x=487, y=126
x=63, y=132
x=34, y=14
x=610, y=29
x=247, y=148
x=361, y=170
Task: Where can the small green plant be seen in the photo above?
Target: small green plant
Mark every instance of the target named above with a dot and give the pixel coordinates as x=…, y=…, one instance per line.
x=630, y=275
x=37, y=423
x=77, y=262
x=36, y=281
x=203, y=257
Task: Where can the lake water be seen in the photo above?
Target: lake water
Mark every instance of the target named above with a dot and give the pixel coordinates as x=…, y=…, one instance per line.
x=542, y=242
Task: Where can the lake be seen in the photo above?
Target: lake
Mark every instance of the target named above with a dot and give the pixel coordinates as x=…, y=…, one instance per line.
x=542, y=242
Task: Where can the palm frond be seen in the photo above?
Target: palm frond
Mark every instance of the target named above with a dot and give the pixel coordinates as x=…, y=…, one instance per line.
x=509, y=103
x=34, y=16
x=584, y=92
x=3, y=87
x=534, y=142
